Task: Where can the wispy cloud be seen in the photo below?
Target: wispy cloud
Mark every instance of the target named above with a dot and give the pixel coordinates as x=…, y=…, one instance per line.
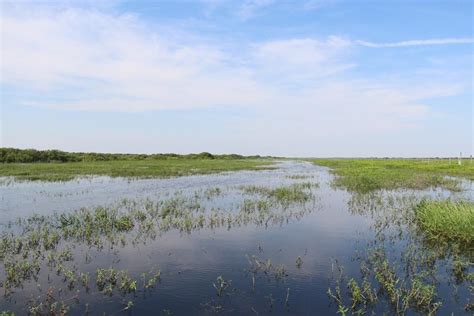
x=302, y=60
x=114, y=62
x=424, y=42
x=250, y=8
x=317, y=4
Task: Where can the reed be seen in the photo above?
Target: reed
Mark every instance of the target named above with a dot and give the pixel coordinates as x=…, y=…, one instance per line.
x=447, y=221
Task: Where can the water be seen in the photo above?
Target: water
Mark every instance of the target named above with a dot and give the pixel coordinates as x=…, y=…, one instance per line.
x=318, y=231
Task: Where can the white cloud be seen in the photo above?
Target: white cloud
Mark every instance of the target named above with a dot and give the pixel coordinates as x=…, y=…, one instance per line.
x=251, y=7
x=113, y=62
x=86, y=60
x=302, y=60
x=424, y=42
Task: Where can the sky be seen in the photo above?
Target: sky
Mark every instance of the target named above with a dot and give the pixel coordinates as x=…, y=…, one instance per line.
x=308, y=78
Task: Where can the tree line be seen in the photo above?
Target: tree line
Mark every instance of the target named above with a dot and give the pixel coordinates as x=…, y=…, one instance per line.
x=15, y=155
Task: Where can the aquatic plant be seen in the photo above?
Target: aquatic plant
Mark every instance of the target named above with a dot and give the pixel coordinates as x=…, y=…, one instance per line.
x=299, y=176
x=221, y=285
x=108, y=279
x=417, y=295
x=285, y=195
x=337, y=297
x=299, y=262
x=212, y=192
x=287, y=299
x=447, y=221
x=152, y=280
x=267, y=267
x=405, y=278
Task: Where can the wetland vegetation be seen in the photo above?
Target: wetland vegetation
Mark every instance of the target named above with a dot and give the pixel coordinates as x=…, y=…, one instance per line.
x=364, y=175
x=15, y=155
x=447, y=221
x=53, y=165
x=394, y=237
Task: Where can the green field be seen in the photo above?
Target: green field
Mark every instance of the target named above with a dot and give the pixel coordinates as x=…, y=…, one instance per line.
x=365, y=175
x=62, y=171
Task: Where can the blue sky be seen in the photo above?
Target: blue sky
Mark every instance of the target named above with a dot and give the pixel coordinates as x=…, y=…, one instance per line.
x=291, y=78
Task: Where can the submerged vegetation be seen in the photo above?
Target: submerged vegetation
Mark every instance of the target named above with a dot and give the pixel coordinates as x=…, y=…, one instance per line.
x=36, y=247
x=398, y=269
x=295, y=193
x=381, y=284
x=365, y=175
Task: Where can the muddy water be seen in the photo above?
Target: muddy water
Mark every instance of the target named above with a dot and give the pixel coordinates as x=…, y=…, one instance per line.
x=320, y=231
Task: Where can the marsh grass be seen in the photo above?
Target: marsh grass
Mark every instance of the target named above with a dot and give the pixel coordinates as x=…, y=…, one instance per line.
x=33, y=247
x=381, y=283
x=284, y=195
x=399, y=268
x=366, y=175
x=447, y=222
x=128, y=168
x=221, y=285
x=267, y=268
x=299, y=176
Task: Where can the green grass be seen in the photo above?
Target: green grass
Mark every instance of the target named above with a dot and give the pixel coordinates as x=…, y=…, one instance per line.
x=286, y=195
x=447, y=221
x=365, y=175
x=128, y=168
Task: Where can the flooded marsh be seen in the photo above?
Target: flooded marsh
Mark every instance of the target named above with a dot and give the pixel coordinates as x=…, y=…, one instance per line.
x=284, y=241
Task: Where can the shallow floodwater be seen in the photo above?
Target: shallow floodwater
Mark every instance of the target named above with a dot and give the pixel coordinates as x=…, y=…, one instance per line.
x=319, y=231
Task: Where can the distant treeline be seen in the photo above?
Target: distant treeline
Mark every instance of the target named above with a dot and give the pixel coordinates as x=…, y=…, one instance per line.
x=11, y=155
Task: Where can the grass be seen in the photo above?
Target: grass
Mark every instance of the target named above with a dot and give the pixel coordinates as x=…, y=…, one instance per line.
x=365, y=175
x=382, y=283
x=447, y=221
x=417, y=242
x=285, y=195
x=128, y=168
x=30, y=244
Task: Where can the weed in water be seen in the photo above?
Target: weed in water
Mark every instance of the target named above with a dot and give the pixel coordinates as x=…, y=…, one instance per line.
x=221, y=285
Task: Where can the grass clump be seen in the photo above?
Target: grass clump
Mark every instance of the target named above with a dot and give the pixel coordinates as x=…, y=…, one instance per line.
x=285, y=195
x=447, y=221
x=366, y=175
x=293, y=193
x=382, y=284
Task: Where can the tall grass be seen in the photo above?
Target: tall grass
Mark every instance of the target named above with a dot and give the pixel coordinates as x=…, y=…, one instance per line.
x=447, y=221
